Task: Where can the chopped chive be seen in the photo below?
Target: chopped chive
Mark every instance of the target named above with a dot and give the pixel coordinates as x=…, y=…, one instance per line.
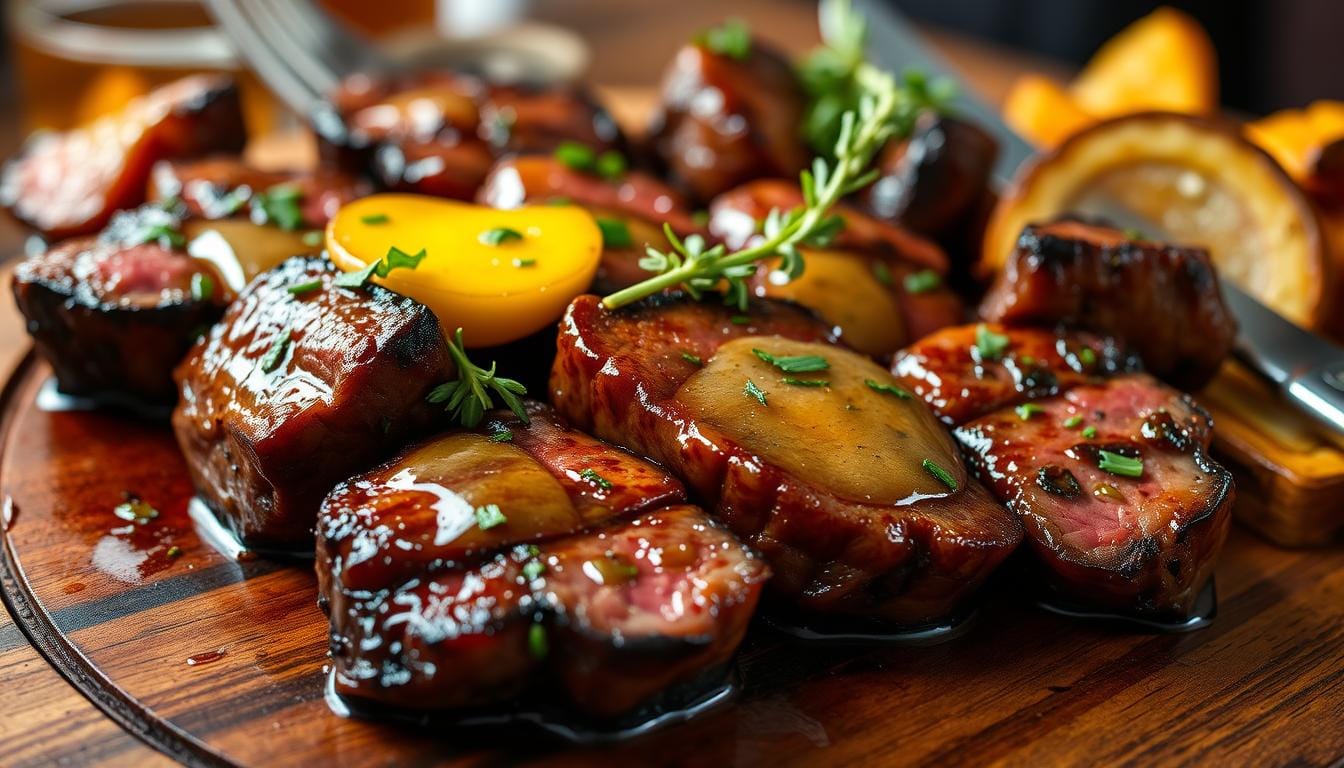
x=489, y=516
x=279, y=205
x=1073, y=421
x=923, y=281
x=299, y=289
x=572, y=154
x=692, y=359
x=500, y=435
x=532, y=569
x=615, y=233
x=943, y=475
x=805, y=382
x=202, y=287
x=271, y=360
x=794, y=363
x=1119, y=464
x=593, y=477
x=890, y=389
x=740, y=319
x=374, y=219
x=1090, y=432
x=522, y=263
x=610, y=165
x=754, y=391
x=499, y=236
x=989, y=344
x=536, y=641
x=883, y=273
x=1026, y=410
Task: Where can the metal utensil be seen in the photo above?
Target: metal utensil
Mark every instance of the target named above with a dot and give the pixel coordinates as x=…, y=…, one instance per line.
x=1307, y=369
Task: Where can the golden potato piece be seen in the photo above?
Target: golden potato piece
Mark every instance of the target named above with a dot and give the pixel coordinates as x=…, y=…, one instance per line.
x=1042, y=112
x=1200, y=183
x=1295, y=137
x=1164, y=61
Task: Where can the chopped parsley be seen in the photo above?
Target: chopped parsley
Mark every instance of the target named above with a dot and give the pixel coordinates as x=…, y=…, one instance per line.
x=923, y=281
x=989, y=344
x=395, y=259
x=1087, y=357
x=615, y=233
x=1026, y=410
x=1090, y=432
x=731, y=38
x=755, y=392
x=202, y=287
x=499, y=236
x=890, y=389
x=524, y=263
x=298, y=289
x=276, y=354
x=374, y=219
x=943, y=475
x=279, y=205
x=532, y=569
x=579, y=157
x=1073, y=421
x=489, y=516
x=610, y=165
x=501, y=434
x=692, y=359
x=1119, y=464
x=794, y=363
x=805, y=382
x=593, y=477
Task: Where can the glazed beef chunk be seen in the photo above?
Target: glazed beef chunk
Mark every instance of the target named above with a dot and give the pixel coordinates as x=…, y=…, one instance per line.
x=849, y=487
x=1162, y=301
x=630, y=206
x=1107, y=468
x=877, y=284
x=290, y=393
x=528, y=560
x=725, y=119
x=114, y=318
x=69, y=184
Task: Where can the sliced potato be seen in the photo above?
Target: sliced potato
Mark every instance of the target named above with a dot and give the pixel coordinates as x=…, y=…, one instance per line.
x=1164, y=61
x=1042, y=112
x=1200, y=183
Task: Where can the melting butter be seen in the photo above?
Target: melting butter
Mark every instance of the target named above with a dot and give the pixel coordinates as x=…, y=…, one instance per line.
x=847, y=437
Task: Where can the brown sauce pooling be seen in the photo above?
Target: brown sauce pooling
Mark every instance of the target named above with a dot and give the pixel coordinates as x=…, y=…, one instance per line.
x=861, y=442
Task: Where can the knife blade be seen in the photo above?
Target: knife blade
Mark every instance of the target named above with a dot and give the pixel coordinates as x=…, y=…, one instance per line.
x=1307, y=369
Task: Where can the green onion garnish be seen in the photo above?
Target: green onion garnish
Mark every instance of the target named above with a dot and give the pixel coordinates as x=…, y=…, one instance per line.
x=489, y=516
x=922, y=281
x=374, y=219
x=890, y=389
x=1090, y=432
x=805, y=382
x=1073, y=421
x=615, y=233
x=298, y=289
x=271, y=360
x=943, y=475
x=202, y=287
x=499, y=236
x=1026, y=410
x=692, y=359
x=572, y=154
x=522, y=263
x=593, y=477
x=794, y=363
x=989, y=344
x=882, y=272
x=1119, y=464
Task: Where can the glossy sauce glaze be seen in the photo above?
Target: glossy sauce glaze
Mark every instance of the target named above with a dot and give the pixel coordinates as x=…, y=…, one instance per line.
x=605, y=583
x=619, y=374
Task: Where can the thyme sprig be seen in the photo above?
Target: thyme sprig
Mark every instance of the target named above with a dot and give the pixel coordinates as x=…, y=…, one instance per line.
x=468, y=398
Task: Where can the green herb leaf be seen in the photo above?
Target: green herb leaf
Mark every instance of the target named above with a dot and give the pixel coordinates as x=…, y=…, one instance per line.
x=312, y=238
x=489, y=516
x=395, y=259
x=740, y=319
x=989, y=344
x=1073, y=421
x=468, y=398
x=1090, y=432
x=753, y=391
x=279, y=205
x=805, y=382
x=579, y=157
x=375, y=219
x=276, y=354
x=610, y=165
x=692, y=359
x=923, y=281
x=883, y=273
x=1119, y=464
x=536, y=641
x=593, y=477
x=731, y=38
x=499, y=236
x=1026, y=410
x=615, y=233
x=533, y=569
x=794, y=363
x=501, y=435
x=1087, y=356
x=298, y=289
x=943, y=475
x=890, y=389
x=355, y=279
x=202, y=287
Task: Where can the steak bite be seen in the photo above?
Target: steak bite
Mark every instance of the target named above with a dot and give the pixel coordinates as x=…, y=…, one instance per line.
x=1107, y=469
x=69, y=184
x=1162, y=301
x=850, y=489
x=114, y=314
x=222, y=187
x=480, y=565
x=290, y=393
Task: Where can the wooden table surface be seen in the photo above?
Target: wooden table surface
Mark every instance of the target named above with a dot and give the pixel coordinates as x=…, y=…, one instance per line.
x=1283, y=612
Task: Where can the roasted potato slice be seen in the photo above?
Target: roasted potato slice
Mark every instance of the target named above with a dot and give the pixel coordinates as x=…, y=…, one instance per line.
x=1201, y=183
x=1164, y=61
x=1042, y=112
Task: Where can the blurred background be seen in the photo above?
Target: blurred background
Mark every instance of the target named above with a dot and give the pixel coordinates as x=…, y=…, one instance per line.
x=66, y=61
